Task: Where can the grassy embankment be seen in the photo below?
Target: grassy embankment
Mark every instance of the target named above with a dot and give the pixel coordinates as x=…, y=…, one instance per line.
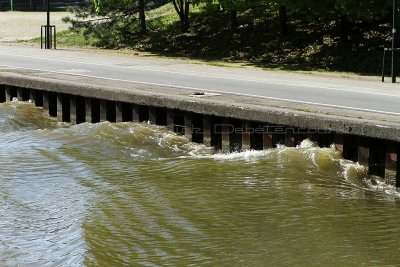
x=310, y=46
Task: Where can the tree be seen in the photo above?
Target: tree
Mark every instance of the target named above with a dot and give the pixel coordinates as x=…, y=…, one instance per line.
x=233, y=7
x=283, y=21
x=142, y=16
x=122, y=6
x=113, y=23
x=182, y=7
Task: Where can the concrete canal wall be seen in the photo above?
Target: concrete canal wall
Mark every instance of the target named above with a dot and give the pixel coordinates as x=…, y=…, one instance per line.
x=227, y=122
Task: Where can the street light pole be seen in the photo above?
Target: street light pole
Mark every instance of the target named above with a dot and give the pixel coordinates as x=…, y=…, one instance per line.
x=11, y=5
x=394, y=40
x=48, y=43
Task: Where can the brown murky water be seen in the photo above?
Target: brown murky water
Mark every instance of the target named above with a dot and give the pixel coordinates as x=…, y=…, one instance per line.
x=138, y=195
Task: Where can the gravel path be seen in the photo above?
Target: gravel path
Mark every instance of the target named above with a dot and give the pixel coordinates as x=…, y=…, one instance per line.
x=26, y=25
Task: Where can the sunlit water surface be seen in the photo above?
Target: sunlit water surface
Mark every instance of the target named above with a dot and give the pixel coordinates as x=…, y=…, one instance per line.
x=135, y=194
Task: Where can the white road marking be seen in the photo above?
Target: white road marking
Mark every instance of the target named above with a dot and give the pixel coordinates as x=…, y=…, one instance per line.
x=74, y=71
x=215, y=91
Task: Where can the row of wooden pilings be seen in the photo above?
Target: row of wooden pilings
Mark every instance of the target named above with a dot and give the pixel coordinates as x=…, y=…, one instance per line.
x=225, y=134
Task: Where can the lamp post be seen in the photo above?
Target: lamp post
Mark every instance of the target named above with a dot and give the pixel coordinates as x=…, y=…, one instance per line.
x=394, y=40
x=11, y=5
x=48, y=43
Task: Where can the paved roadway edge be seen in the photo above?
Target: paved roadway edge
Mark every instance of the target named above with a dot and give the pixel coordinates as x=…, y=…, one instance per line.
x=230, y=107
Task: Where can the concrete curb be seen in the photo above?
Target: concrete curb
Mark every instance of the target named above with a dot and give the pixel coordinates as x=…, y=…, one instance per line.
x=232, y=106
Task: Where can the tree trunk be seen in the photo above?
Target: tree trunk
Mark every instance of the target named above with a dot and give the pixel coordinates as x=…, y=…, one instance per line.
x=283, y=21
x=186, y=16
x=343, y=27
x=234, y=21
x=182, y=7
x=142, y=17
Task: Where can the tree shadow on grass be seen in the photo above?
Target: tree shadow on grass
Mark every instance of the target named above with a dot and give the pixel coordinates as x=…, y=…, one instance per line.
x=310, y=46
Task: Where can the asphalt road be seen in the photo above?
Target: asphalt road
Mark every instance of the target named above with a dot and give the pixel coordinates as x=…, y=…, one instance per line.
x=365, y=95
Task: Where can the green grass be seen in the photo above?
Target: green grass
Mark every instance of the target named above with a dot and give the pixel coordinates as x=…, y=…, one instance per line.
x=68, y=38
x=73, y=38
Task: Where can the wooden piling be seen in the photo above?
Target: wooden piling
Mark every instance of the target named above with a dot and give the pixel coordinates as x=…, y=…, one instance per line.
x=103, y=110
x=152, y=115
x=127, y=112
x=246, y=135
x=37, y=97
x=94, y=109
x=52, y=101
x=2, y=93
x=143, y=113
x=377, y=158
x=118, y=112
x=206, y=130
x=187, y=116
x=256, y=136
x=80, y=104
x=170, y=120
x=350, y=147
x=216, y=132
x=65, y=107
x=111, y=111
x=235, y=135
x=197, y=122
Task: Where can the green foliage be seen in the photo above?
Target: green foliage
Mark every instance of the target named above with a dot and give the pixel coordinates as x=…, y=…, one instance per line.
x=332, y=34
x=365, y=10
x=239, y=5
x=109, y=22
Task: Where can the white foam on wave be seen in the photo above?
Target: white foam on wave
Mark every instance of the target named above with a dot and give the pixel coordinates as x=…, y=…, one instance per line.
x=352, y=169
x=378, y=184
x=244, y=155
x=306, y=143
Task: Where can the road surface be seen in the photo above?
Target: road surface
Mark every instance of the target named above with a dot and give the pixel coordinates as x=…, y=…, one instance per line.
x=355, y=94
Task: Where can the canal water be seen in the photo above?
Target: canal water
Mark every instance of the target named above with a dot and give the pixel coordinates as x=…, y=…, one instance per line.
x=136, y=194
